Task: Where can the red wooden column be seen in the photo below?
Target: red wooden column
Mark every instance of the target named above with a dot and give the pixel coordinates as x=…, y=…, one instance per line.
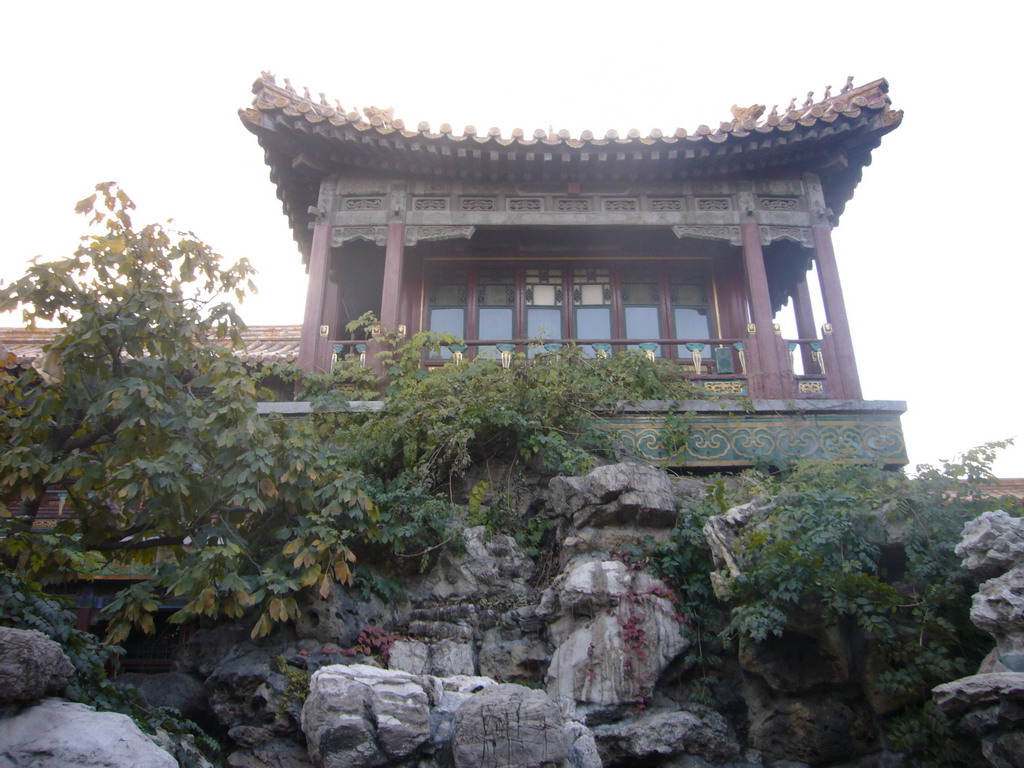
x=391, y=291
x=805, y=328
x=835, y=315
x=766, y=373
x=391, y=294
x=310, y=352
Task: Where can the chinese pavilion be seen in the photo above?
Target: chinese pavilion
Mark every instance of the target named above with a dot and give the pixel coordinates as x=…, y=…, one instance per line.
x=682, y=245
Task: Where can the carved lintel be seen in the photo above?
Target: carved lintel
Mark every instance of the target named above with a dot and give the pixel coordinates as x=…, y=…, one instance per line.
x=416, y=234
x=342, y=235
x=800, y=235
x=730, y=234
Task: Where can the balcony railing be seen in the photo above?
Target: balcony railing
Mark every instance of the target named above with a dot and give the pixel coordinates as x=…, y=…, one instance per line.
x=710, y=360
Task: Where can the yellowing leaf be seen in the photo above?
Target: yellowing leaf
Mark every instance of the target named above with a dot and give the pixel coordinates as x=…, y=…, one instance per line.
x=325, y=585
x=262, y=628
x=342, y=572
x=267, y=487
x=276, y=609
x=84, y=206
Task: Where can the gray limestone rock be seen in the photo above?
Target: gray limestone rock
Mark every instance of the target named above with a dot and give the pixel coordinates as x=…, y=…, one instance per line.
x=490, y=565
x=665, y=734
x=278, y=753
x=512, y=656
x=246, y=688
x=615, y=634
x=992, y=543
x=617, y=494
x=722, y=533
x=583, y=752
x=444, y=658
x=1004, y=750
x=509, y=726
x=208, y=647
x=61, y=734
x=998, y=608
x=817, y=728
x=615, y=507
x=176, y=690
x=359, y=715
x=341, y=616
x=977, y=691
x=31, y=665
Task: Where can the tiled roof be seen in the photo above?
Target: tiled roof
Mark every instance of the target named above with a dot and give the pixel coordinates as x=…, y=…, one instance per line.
x=870, y=100
x=306, y=139
x=263, y=344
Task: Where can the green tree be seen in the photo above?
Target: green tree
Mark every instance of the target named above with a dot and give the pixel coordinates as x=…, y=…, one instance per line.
x=142, y=414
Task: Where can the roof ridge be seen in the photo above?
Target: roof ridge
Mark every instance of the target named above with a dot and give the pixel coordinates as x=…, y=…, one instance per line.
x=849, y=102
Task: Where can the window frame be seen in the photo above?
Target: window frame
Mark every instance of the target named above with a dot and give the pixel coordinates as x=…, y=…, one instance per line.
x=663, y=270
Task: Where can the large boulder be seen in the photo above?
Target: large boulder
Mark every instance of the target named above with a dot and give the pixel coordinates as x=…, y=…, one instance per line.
x=359, y=715
x=616, y=506
x=509, y=726
x=615, y=631
x=60, y=734
x=31, y=665
x=660, y=735
x=992, y=543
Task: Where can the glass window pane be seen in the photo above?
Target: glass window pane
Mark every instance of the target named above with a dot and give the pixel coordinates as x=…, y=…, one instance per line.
x=593, y=323
x=691, y=324
x=451, y=321
x=543, y=323
x=494, y=324
x=642, y=323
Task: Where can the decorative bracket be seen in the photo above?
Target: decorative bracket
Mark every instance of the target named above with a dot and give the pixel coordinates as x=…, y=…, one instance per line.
x=342, y=235
x=800, y=235
x=727, y=233
x=415, y=234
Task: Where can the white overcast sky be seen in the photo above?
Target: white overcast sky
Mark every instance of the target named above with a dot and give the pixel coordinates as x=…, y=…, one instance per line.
x=147, y=94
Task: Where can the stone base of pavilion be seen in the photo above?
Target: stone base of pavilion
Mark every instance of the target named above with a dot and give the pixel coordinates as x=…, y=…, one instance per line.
x=733, y=434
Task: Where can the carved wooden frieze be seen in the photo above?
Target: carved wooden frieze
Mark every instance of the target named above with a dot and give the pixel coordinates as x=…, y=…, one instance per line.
x=572, y=205
x=524, y=204
x=620, y=205
x=416, y=234
x=342, y=235
x=727, y=233
x=430, y=204
x=478, y=204
x=666, y=204
x=779, y=203
x=800, y=235
x=363, y=204
x=714, y=204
